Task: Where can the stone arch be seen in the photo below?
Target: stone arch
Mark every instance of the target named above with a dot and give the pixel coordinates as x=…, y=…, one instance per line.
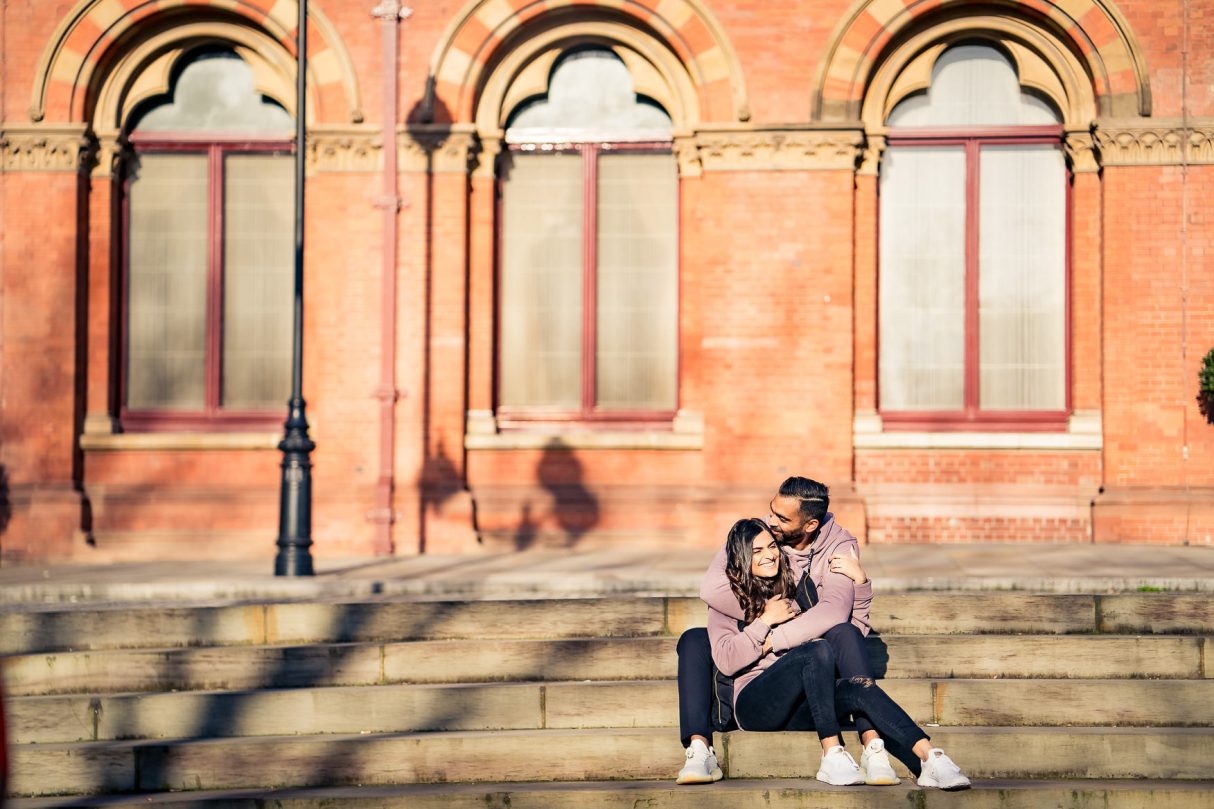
x=70, y=70
x=146, y=70
x=1041, y=64
x=525, y=72
x=1083, y=41
x=685, y=29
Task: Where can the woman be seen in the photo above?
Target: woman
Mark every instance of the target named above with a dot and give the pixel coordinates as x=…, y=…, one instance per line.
x=796, y=690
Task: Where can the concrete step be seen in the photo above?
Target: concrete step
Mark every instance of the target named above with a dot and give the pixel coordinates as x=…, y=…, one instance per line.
x=55, y=629
x=799, y=793
x=413, y=708
x=473, y=661
x=571, y=755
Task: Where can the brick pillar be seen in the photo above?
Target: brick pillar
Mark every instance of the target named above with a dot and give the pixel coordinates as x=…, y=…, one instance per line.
x=41, y=325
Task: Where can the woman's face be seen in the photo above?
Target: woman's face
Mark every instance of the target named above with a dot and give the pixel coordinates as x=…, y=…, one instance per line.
x=765, y=556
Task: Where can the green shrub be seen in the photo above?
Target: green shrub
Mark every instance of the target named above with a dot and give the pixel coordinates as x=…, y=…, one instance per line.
x=1206, y=375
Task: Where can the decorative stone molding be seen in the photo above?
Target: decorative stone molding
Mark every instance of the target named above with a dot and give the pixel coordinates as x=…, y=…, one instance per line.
x=348, y=149
x=1155, y=142
x=486, y=158
x=870, y=162
x=779, y=149
x=687, y=154
x=1081, y=149
x=106, y=156
x=437, y=149
x=50, y=147
x=79, y=46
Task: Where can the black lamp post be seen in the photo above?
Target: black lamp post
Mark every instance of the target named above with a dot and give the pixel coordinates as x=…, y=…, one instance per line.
x=295, y=499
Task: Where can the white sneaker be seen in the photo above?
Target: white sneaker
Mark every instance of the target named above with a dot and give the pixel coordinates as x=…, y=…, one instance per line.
x=874, y=763
x=839, y=768
x=940, y=771
x=701, y=766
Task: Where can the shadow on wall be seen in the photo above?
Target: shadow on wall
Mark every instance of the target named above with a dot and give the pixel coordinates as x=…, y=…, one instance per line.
x=575, y=509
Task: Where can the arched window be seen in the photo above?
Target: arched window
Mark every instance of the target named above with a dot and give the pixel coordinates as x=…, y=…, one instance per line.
x=589, y=250
x=973, y=251
x=209, y=252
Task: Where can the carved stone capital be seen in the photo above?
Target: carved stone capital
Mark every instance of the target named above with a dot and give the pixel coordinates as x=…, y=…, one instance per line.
x=870, y=162
x=687, y=154
x=1081, y=149
x=44, y=147
x=486, y=158
x=347, y=149
x=1155, y=142
x=107, y=154
x=437, y=149
x=778, y=149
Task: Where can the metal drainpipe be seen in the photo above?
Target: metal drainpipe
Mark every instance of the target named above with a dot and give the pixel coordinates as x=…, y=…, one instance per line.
x=390, y=12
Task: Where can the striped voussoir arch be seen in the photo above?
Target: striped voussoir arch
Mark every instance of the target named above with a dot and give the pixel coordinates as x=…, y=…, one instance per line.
x=87, y=34
x=687, y=27
x=1095, y=28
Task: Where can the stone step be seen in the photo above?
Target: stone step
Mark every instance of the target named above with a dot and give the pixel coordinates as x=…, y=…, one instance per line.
x=55, y=629
x=414, y=708
x=472, y=661
x=799, y=793
x=570, y=755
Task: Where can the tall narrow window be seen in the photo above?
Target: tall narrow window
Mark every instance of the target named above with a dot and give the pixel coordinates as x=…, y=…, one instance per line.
x=589, y=250
x=209, y=252
x=973, y=252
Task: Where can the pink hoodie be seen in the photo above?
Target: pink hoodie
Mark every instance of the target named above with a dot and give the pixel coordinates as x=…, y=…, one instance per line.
x=739, y=652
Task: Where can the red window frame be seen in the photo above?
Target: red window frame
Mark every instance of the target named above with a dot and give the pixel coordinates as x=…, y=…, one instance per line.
x=212, y=416
x=588, y=415
x=971, y=416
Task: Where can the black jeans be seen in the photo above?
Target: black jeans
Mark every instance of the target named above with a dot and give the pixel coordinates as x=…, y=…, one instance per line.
x=696, y=696
x=697, y=714
x=799, y=692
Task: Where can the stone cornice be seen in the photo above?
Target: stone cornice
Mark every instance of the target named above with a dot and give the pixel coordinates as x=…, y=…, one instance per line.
x=45, y=147
x=1155, y=142
x=778, y=149
x=437, y=149
x=347, y=149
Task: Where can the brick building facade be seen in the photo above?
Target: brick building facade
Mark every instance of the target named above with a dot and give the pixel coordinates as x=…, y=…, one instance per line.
x=644, y=258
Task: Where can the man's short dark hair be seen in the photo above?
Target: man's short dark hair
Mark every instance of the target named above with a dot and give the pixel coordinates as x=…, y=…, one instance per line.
x=814, y=497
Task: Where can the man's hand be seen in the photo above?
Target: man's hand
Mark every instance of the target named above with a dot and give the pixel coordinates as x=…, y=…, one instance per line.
x=778, y=611
x=849, y=566
x=766, y=646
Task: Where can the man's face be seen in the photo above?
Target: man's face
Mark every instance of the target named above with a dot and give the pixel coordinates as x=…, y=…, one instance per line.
x=787, y=522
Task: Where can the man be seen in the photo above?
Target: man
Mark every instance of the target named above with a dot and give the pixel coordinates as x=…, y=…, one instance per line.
x=838, y=610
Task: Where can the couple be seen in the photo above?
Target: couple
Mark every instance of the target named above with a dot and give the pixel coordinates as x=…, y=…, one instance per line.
x=788, y=611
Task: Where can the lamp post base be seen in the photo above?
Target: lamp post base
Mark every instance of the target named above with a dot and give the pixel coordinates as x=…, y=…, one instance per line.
x=295, y=501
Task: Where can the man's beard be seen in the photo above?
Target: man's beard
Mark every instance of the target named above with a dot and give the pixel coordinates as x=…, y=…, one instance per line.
x=790, y=539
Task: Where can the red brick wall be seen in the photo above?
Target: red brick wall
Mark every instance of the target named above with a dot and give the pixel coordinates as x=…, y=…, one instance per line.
x=778, y=346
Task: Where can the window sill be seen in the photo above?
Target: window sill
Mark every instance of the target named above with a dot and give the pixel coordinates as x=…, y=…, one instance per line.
x=112, y=442
x=686, y=433
x=1083, y=433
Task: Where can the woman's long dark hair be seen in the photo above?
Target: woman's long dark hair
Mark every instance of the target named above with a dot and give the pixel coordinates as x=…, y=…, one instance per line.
x=753, y=591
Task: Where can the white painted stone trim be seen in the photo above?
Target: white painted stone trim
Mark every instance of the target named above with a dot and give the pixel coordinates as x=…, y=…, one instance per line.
x=686, y=433
x=1084, y=432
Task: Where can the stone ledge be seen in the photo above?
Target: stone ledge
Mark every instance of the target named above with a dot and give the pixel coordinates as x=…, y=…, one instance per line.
x=585, y=440
x=1084, y=433
x=178, y=441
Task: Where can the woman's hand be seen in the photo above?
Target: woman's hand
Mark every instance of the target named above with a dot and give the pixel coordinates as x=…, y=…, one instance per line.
x=849, y=566
x=778, y=611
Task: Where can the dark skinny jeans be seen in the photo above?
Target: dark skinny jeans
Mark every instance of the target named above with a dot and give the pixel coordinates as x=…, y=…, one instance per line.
x=799, y=692
x=697, y=703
